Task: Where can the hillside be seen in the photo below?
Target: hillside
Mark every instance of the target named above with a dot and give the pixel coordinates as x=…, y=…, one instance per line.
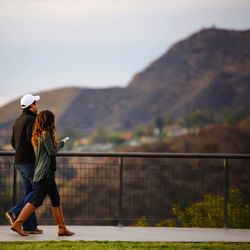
x=215, y=139
x=209, y=70
x=56, y=100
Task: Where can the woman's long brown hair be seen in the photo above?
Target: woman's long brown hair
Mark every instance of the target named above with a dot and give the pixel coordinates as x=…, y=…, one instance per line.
x=45, y=121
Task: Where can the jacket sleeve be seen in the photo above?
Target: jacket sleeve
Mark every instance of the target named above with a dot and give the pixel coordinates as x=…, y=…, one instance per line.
x=52, y=151
x=13, y=144
x=29, y=130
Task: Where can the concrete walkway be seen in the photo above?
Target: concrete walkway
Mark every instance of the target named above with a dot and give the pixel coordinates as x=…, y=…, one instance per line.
x=111, y=233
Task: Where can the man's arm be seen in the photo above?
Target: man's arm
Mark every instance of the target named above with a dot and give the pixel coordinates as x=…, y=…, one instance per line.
x=29, y=130
x=13, y=139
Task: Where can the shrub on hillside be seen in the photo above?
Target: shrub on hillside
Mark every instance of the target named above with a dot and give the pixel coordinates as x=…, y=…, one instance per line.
x=210, y=213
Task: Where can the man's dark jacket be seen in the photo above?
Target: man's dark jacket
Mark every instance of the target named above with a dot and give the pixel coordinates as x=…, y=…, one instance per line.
x=21, y=138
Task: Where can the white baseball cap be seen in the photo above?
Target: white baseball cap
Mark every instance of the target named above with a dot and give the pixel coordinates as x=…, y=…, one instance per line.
x=28, y=99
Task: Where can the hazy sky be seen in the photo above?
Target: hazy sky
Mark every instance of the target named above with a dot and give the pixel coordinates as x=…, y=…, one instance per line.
x=46, y=44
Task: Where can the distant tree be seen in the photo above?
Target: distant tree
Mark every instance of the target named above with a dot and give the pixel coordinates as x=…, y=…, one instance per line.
x=116, y=139
x=235, y=117
x=159, y=124
x=139, y=133
x=198, y=118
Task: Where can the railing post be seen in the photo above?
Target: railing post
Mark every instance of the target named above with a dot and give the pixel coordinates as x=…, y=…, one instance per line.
x=14, y=185
x=120, y=207
x=226, y=192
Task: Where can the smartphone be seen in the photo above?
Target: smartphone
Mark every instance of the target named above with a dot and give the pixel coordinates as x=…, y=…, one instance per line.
x=65, y=139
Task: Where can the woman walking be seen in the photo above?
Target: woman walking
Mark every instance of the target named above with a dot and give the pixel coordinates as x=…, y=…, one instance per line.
x=46, y=148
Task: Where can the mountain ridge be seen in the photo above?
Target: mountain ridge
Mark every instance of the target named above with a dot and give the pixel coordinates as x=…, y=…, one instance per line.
x=208, y=70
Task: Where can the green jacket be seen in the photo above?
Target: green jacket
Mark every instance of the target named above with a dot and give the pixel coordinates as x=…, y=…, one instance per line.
x=44, y=151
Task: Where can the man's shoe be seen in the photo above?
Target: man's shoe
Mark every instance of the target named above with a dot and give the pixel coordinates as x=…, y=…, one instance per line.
x=35, y=231
x=10, y=217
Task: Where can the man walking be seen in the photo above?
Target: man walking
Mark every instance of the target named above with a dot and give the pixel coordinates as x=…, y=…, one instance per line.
x=25, y=159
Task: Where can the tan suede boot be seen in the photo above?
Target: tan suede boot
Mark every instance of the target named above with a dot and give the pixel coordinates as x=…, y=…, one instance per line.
x=22, y=217
x=58, y=215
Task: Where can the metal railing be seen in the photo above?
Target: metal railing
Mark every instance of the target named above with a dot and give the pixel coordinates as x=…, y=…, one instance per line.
x=128, y=186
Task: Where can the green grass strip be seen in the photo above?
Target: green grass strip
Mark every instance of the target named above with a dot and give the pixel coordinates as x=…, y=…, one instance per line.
x=107, y=245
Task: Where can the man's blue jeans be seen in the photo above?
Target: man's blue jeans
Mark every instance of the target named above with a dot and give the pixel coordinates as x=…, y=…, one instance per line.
x=27, y=172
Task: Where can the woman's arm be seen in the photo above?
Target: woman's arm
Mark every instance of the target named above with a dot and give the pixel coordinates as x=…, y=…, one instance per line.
x=52, y=151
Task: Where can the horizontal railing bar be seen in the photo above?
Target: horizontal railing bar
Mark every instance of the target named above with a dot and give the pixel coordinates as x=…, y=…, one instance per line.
x=144, y=155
